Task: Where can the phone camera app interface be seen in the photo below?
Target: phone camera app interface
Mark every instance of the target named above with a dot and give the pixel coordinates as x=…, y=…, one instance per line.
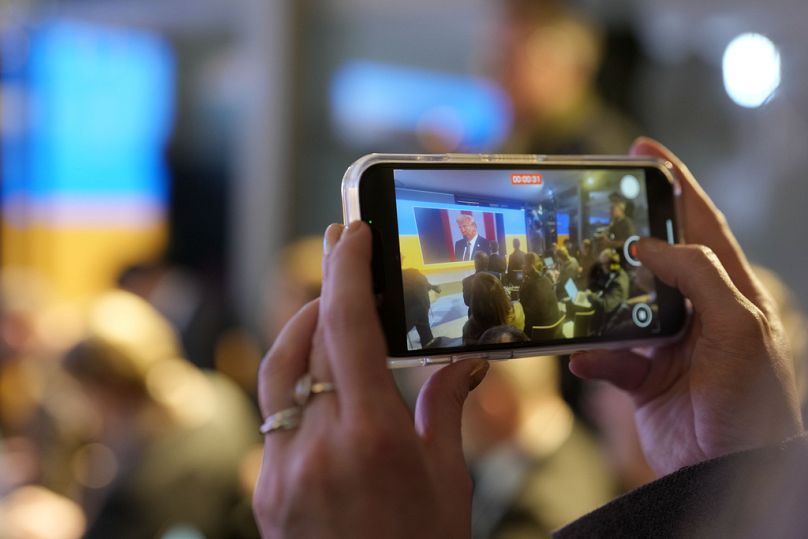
x=504, y=256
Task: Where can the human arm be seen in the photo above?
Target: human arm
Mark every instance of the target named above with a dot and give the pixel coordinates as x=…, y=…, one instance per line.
x=728, y=385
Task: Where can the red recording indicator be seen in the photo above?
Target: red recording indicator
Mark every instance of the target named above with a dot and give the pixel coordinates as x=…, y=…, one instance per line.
x=526, y=179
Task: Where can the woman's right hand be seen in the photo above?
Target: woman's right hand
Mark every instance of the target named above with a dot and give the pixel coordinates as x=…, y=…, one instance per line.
x=729, y=384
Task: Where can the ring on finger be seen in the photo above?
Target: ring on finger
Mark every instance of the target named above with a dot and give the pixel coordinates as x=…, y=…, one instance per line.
x=286, y=419
x=306, y=387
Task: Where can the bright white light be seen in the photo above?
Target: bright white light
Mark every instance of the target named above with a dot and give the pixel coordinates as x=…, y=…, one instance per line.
x=590, y=181
x=630, y=186
x=751, y=68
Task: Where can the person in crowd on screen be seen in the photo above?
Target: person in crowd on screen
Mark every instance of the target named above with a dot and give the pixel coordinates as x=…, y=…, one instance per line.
x=621, y=226
x=502, y=334
x=611, y=288
x=490, y=306
x=516, y=261
x=496, y=262
x=471, y=243
x=587, y=260
x=571, y=246
x=417, y=302
x=717, y=413
x=568, y=268
x=481, y=261
x=537, y=295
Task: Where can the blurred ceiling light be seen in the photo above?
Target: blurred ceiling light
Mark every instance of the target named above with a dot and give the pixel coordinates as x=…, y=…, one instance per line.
x=751, y=67
x=630, y=186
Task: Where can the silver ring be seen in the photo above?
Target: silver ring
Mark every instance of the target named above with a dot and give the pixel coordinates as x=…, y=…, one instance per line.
x=306, y=387
x=286, y=419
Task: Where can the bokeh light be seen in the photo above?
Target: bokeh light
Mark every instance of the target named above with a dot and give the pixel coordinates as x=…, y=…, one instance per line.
x=751, y=67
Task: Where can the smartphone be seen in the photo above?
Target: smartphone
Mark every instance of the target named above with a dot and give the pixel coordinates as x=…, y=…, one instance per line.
x=503, y=256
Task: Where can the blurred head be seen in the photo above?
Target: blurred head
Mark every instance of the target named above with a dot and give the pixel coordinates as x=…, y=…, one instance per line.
x=617, y=206
x=609, y=260
x=562, y=253
x=480, y=261
x=130, y=356
x=502, y=334
x=533, y=264
x=23, y=298
x=550, y=55
x=490, y=304
x=294, y=279
x=586, y=246
x=516, y=244
x=467, y=226
x=494, y=247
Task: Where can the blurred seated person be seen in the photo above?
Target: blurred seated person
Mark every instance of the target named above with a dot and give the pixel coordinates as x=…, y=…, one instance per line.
x=537, y=296
x=516, y=261
x=568, y=268
x=169, y=438
x=534, y=466
x=496, y=262
x=610, y=290
x=417, y=302
x=480, y=266
x=587, y=260
x=490, y=306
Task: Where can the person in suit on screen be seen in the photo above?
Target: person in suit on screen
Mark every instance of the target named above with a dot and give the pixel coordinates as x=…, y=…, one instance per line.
x=472, y=242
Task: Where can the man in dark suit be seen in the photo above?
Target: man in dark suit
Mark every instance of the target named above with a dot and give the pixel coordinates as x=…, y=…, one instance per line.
x=480, y=266
x=471, y=243
x=496, y=262
x=516, y=263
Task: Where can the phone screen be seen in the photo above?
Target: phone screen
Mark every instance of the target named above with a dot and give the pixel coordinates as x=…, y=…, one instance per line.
x=498, y=255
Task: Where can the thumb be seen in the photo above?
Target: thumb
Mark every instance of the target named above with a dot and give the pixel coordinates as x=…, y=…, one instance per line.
x=440, y=408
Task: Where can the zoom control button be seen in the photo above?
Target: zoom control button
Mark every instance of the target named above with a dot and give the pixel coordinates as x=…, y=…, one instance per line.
x=630, y=251
x=642, y=315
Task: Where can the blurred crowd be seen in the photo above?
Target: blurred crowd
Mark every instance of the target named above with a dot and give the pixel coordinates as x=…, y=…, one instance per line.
x=593, y=287
x=133, y=413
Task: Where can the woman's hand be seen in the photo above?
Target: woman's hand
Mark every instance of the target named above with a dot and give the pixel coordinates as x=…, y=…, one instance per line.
x=358, y=465
x=729, y=384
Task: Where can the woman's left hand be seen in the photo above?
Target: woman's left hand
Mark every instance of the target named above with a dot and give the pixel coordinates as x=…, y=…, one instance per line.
x=358, y=465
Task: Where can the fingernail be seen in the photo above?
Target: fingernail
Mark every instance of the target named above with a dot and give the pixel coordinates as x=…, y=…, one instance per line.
x=353, y=227
x=477, y=374
x=332, y=236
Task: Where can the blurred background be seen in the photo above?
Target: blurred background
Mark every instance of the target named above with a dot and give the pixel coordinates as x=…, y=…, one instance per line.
x=165, y=164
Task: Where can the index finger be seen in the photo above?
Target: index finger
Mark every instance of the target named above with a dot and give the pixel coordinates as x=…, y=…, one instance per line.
x=704, y=224
x=356, y=348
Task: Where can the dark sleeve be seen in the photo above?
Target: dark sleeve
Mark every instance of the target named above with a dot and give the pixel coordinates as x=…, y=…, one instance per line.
x=757, y=493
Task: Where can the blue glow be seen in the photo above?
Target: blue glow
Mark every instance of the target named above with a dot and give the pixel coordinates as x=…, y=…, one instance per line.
x=371, y=100
x=563, y=224
x=99, y=115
